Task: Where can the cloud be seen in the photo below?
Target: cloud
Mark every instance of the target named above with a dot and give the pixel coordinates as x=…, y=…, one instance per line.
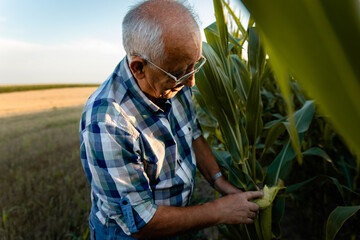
x=3, y=19
x=84, y=61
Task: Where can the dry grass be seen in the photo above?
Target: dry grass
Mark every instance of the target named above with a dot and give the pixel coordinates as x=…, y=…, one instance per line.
x=45, y=192
x=18, y=88
x=40, y=100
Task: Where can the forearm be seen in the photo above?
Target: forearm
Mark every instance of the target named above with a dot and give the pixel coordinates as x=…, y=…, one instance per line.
x=169, y=221
x=205, y=160
x=231, y=209
x=208, y=166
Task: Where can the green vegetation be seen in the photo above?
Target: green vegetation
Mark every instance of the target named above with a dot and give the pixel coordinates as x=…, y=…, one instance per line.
x=45, y=194
x=18, y=88
x=257, y=124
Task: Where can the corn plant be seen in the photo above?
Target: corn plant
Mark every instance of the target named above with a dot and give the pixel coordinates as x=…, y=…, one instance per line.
x=318, y=41
x=229, y=91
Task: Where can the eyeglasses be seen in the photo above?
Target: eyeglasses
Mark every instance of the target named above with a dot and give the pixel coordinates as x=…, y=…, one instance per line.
x=180, y=80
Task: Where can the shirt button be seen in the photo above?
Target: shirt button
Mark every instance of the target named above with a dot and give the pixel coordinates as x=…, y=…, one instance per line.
x=124, y=202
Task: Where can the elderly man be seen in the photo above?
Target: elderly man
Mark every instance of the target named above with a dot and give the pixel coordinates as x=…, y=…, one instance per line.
x=140, y=135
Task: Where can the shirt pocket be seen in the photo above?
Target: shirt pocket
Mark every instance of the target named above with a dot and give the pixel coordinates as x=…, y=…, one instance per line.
x=185, y=131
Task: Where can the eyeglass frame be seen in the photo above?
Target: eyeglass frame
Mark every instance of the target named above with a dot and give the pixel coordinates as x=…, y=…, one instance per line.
x=181, y=79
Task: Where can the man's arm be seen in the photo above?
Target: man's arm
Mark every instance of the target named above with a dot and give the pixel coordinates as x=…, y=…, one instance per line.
x=208, y=166
x=231, y=209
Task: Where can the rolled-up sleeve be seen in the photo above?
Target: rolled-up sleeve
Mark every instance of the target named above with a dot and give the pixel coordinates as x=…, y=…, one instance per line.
x=118, y=177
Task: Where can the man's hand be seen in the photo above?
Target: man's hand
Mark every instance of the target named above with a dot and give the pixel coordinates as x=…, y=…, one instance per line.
x=231, y=209
x=236, y=208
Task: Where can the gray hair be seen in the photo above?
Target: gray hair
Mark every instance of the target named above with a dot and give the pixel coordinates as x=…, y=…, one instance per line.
x=143, y=34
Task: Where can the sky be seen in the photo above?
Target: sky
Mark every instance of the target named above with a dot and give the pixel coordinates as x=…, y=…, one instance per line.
x=67, y=41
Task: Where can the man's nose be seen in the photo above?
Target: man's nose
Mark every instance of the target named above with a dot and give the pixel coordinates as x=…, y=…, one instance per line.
x=190, y=81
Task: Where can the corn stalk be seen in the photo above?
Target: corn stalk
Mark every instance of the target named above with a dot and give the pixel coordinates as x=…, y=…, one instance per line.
x=318, y=42
x=229, y=92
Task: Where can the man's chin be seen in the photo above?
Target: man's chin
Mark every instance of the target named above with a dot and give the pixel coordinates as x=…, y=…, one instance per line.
x=172, y=92
x=176, y=89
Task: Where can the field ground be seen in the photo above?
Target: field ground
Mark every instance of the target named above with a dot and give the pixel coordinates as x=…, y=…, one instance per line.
x=45, y=194
x=18, y=88
x=39, y=100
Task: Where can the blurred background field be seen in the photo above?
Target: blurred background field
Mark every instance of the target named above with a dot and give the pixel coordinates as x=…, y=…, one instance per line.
x=45, y=194
x=36, y=98
x=21, y=88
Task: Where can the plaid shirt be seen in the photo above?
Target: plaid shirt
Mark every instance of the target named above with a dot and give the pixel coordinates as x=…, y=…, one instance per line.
x=135, y=155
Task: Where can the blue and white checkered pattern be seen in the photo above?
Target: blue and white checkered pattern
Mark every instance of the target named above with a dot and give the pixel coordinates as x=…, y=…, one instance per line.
x=134, y=152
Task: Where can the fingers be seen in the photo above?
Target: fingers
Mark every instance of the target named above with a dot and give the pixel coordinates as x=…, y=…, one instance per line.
x=253, y=194
x=253, y=207
x=251, y=214
x=249, y=221
x=237, y=208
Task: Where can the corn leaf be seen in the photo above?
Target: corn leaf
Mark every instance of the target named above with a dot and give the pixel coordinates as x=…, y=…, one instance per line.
x=221, y=25
x=240, y=77
x=315, y=151
x=236, y=19
x=304, y=116
x=280, y=166
x=337, y=218
x=273, y=134
x=308, y=40
x=278, y=210
x=236, y=177
x=212, y=29
x=253, y=111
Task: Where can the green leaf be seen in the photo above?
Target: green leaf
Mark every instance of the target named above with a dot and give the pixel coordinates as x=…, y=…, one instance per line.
x=221, y=25
x=240, y=77
x=273, y=134
x=236, y=19
x=278, y=210
x=308, y=40
x=237, y=178
x=337, y=219
x=315, y=151
x=256, y=54
x=253, y=111
x=303, y=117
x=295, y=187
x=280, y=167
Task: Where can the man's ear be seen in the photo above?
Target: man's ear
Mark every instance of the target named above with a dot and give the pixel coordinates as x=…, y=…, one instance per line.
x=137, y=67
